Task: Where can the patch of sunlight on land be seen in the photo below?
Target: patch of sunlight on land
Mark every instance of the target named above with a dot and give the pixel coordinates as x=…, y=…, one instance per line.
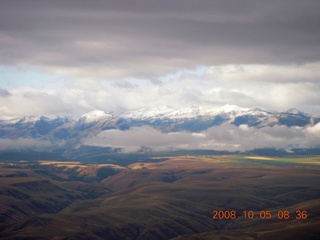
x=303, y=160
x=110, y=165
x=315, y=163
x=59, y=163
x=189, y=158
x=80, y=166
x=261, y=158
x=138, y=166
x=315, y=160
x=222, y=158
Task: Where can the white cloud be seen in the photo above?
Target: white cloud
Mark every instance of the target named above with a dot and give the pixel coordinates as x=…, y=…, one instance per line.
x=256, y=73
x=225, y=137
x=314, y=130
x=187, y=88
x=137, y=137
x=116, y=56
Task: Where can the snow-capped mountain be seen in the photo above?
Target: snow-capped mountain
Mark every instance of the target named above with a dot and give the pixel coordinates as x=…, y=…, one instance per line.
x=200, y=118
x=95, y=115
x=192, y=119
x=185, y=113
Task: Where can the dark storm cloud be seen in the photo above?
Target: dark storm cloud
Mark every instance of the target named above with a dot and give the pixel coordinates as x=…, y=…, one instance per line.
x=111, y=39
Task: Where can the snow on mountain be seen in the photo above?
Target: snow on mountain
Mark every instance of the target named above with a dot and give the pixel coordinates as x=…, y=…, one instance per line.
x=184, y=113
x=228, y=112
x=146, y=113
x=232, y=108
x=294, y=111
x=192, y=119
x=95, y=116
x=33, y=119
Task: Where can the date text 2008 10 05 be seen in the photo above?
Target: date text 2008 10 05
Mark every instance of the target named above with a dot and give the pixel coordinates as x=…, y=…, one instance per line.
x=263, y=214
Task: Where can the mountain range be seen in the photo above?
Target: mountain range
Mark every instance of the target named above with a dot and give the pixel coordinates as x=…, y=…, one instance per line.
x=71, y=129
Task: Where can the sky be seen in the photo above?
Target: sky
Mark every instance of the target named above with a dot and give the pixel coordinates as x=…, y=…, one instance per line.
x=71, y=57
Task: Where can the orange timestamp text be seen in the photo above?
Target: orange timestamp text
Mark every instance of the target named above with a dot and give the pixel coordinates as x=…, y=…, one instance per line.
x=262, y=214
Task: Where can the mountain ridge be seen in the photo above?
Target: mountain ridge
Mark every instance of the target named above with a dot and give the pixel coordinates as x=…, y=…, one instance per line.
x=69, y=130
x=158, y=112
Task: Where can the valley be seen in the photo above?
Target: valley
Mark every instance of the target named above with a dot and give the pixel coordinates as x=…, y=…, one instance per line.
x=166, y=197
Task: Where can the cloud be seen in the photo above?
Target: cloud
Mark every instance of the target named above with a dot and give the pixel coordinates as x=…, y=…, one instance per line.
x=118, y=56
x=23, y=143
x=135, y=138
x=207, y=87
x=4, y=93
x=265, y=73
x=33, y=101
x=147, y=39
x=224, y=137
